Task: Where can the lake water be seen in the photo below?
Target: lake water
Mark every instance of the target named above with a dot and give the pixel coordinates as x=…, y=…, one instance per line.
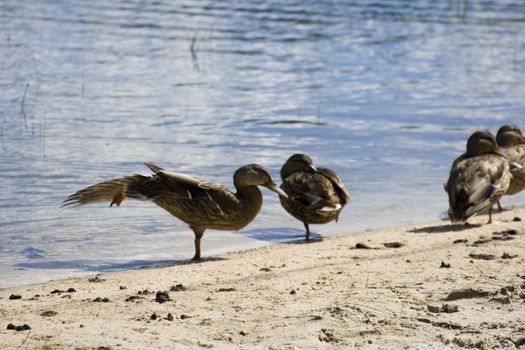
x=383, y=92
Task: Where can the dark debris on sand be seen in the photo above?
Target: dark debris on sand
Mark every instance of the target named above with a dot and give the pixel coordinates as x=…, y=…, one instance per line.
x=178, y=288
x=100, y=300
x=162, y=297
x=361, y=246
x=466, y=293
x=444, y=265
x=96, y=279
x=393, y=244
x=48, y=313
x=23, y=327
x=482, y=256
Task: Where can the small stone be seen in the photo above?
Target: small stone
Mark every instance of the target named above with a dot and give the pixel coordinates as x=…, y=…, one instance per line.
x=361, y=246
x=49, y=313
x=122, y=288
x=516, y=218
x=96, y=279
x=56, y=291
x=23, y=327
x=433, y=308
x=265, y=269
x=460, y=241
x=449, y=308
x=393, y=244
x=133, y=297
x=177, y=288
x=243, y=333
x=153, y=316
x=15, y=297
x=169, y=317
x=293, y=292
x=183, y=317
x=444, y=265
x=508, y=256
x=162, y=297
x=466, y=293
x=101, y=300
x=71, y=290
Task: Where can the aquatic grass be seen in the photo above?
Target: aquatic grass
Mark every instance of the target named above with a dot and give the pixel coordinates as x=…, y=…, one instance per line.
x=22, y=106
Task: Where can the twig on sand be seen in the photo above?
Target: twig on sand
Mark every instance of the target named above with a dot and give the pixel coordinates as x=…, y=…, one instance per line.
x=372, y=323
x=27, y=337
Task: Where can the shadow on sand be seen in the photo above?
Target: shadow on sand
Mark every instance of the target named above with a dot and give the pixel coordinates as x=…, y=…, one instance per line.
x=282, y=235
x=445, y=228
x=108, y=266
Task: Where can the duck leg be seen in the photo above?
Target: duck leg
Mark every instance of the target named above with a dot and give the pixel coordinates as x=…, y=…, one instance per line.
x=307, y=231
x=499, y=206
x=198, y=235
x=490, y=216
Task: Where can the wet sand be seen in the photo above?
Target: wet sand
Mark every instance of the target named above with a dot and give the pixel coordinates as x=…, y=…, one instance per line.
x=420, y=286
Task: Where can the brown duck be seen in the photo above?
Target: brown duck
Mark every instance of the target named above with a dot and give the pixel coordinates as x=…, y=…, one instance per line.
x=512, y=143
x=201, y=204
x=315, y=195
x=478, y=178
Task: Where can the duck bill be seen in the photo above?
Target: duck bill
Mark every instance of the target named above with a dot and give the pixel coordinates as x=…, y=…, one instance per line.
x=273, y=187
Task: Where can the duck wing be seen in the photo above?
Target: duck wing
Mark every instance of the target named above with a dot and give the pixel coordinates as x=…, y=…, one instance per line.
x=192, y=199
x=476, y=183
x=338, y=184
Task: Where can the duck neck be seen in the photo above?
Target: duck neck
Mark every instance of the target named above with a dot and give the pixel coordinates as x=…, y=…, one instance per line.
x=252, y=200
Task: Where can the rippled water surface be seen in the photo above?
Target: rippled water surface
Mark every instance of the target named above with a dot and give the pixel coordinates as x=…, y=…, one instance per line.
x=384, y=92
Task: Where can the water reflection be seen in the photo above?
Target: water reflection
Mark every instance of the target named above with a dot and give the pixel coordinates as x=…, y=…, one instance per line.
x=383, y=92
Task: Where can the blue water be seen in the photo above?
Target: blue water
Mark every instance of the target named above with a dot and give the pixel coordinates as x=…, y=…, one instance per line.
x=383, y=92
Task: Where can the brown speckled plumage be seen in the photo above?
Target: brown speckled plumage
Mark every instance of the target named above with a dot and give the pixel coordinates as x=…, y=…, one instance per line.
x=478, y=178
x=315, y=195
x=199, y=203
x=511, y=141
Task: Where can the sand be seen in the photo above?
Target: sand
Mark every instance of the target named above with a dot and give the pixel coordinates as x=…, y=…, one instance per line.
x=437, y=286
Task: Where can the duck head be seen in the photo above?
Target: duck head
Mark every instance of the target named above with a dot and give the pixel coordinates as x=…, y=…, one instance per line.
x=482, y=142
x=297, y=163
x=255, y=175
x=509, y=135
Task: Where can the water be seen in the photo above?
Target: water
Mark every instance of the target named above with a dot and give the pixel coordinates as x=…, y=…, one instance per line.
x=383, y=92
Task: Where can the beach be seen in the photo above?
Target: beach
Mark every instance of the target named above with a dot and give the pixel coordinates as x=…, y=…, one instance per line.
x=420, y=286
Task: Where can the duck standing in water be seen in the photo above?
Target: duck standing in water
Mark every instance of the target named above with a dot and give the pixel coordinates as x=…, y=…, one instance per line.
x=478, y=178
x=200, y=204
x=512, y=143
x=315, y=195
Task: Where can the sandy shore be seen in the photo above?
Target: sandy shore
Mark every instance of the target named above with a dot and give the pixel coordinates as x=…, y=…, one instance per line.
x=436, y=286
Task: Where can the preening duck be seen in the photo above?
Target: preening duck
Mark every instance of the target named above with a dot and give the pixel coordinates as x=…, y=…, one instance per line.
x=478, y=178
x=315, y=195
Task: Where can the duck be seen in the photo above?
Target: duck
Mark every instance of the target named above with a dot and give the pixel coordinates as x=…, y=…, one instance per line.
x=201, y=204
x=478, y=178
x=512, y=142
x=315, y=195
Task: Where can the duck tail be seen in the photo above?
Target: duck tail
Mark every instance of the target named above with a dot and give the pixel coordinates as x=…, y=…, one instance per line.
x=114, y=191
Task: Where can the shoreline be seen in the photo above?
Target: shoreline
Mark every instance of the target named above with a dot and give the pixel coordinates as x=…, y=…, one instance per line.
x=433, y=285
